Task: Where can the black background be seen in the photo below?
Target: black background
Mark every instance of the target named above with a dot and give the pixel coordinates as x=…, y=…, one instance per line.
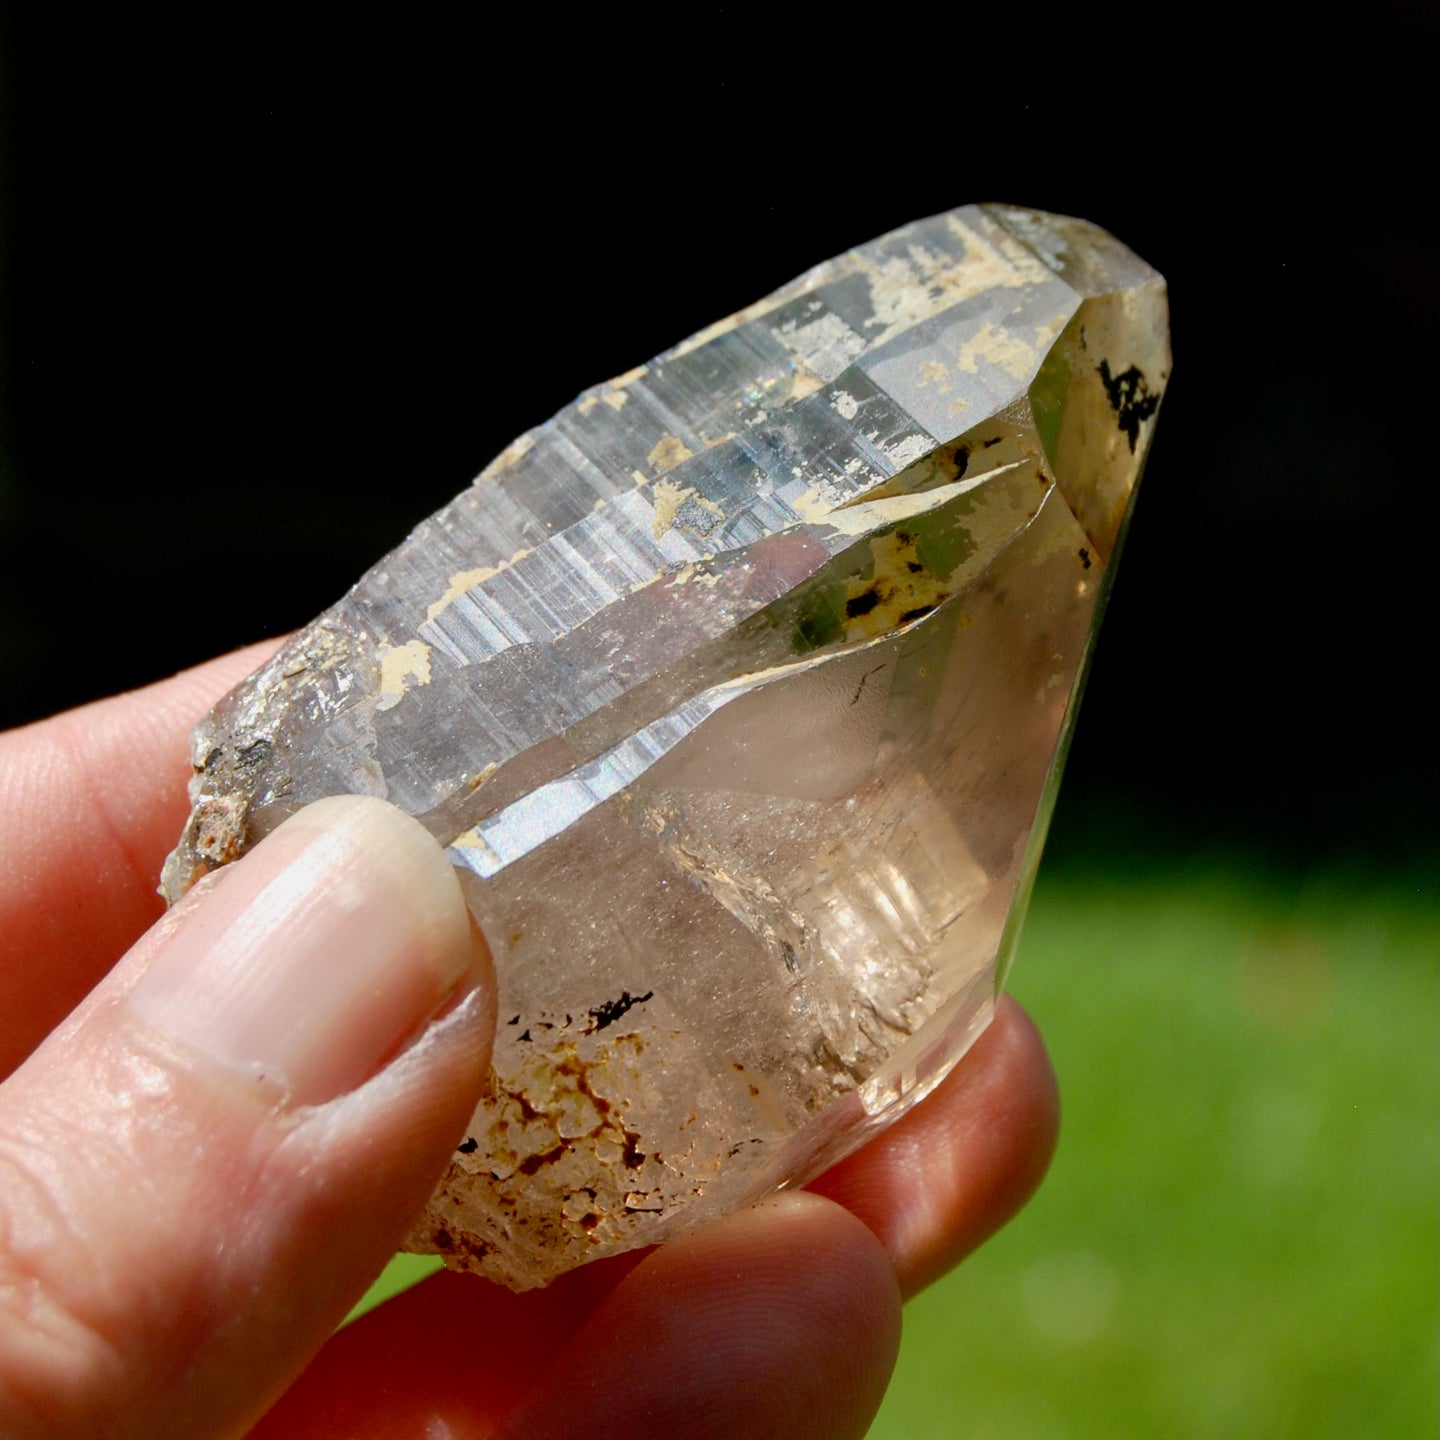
x=273, y=292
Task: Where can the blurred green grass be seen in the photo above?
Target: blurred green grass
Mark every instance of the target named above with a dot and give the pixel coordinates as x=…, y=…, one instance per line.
x=1239, y=1234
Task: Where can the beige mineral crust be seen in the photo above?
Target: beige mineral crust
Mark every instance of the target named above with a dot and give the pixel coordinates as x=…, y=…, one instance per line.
x=737, y=693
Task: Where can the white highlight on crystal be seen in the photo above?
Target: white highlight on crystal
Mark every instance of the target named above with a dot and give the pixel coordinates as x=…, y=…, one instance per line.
x=509, y=834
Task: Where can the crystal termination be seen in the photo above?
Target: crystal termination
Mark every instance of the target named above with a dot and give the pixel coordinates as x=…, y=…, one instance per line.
x=738, y=694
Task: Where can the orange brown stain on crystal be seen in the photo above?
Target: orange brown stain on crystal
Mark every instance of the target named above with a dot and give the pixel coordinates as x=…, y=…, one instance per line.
x=527, y=1121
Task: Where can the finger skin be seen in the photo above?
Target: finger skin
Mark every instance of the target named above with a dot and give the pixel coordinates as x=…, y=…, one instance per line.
x=149, y=1297
x=457, y=1349
x=783, y=1320
x=203, y=1168
x=90, y=804
x=948, y=1175
x=454, y=1348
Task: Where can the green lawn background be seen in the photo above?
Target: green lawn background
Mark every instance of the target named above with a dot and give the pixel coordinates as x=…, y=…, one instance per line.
x=1239, y=1234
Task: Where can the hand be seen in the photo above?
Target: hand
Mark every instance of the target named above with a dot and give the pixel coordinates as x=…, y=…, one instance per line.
x=206, y=1158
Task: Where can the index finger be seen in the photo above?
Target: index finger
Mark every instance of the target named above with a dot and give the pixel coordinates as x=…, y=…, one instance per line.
x=90, y=803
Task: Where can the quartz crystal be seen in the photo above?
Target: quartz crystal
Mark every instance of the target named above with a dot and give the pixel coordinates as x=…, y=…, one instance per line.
x=738, y=694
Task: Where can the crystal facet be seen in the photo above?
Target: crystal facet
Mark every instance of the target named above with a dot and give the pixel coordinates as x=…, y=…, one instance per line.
x=737, y=693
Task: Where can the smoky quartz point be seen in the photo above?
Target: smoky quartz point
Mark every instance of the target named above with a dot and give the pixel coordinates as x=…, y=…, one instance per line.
x=738, y=694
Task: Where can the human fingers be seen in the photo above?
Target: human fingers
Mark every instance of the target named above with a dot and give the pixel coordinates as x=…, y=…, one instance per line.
x=448, y=1357
x=781, y=1320
x=946, y=1176
x=457, y=1352
x=90, y=802
x=202, y=1169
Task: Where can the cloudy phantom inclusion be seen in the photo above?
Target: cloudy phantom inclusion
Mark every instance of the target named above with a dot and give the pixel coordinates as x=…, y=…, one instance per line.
x=735, y=693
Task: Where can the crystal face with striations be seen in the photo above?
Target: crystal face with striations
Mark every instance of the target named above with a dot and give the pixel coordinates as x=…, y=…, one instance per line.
x=737, y=693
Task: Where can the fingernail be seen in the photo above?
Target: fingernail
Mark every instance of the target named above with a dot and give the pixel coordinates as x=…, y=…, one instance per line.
x=316, y=956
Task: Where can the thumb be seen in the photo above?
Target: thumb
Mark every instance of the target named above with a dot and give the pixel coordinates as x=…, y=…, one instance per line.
x=202, y=1169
